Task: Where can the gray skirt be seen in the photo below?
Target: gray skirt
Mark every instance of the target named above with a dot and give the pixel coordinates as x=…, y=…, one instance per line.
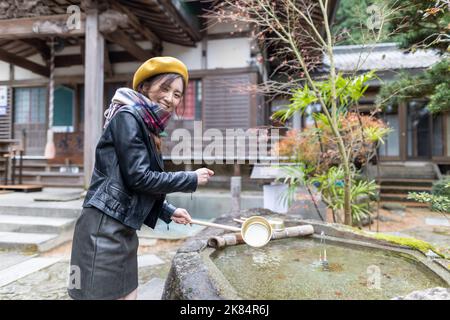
x=103, y=263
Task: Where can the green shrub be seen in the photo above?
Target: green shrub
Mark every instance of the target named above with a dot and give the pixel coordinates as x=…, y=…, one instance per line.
x=438, y=203
x=441, y=187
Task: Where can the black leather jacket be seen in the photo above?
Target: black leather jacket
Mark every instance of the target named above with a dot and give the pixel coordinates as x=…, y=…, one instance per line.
x=129, y=182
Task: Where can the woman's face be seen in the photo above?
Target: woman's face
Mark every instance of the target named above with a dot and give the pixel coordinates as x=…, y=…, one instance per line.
x=167, y=96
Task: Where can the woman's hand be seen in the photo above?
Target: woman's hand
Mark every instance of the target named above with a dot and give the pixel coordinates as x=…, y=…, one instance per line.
x=181, y=216
x=203, y=175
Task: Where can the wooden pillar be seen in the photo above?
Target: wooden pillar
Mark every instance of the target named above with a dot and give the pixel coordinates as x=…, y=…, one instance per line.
x=403, y=128
x=93, y=90
x=236, y=187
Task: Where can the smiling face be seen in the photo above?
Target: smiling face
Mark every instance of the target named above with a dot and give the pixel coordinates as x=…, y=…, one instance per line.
x=167, y=91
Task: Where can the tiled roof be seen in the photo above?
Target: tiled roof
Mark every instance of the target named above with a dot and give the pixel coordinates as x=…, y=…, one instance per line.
x=384, y=56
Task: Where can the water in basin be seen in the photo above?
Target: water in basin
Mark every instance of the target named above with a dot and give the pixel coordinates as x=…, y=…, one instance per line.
x=292, y=269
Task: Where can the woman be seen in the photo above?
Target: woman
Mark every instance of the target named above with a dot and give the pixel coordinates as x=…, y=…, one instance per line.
x=129, y=185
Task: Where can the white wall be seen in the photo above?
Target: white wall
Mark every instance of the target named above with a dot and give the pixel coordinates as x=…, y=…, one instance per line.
x=23, y=74
x=220, y=53
x=125, y=67
x=228, y=53
x=192, y=57
x=4, y=71
x=69, y=71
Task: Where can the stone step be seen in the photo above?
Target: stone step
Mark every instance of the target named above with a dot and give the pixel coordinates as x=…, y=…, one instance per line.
x=402, y=190
x=33, y=242
x=33, y=224
x=43, y=167
x=51, y=174
x=10, y=258
x=42, y=162
x=407, y=204
x=148, y=260
x=405, y=188
x=151, y=290
x=41, y=211
x=403, y=170
x=53, y=179
x=406, y=181
x=401, y=198
x=55, y=183
x=395, y=196
x=22, y=269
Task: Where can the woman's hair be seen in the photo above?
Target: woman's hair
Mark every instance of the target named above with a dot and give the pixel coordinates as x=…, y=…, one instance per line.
x=168, y=79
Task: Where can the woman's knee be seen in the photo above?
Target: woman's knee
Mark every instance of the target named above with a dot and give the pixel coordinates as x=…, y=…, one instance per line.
x=131, y=296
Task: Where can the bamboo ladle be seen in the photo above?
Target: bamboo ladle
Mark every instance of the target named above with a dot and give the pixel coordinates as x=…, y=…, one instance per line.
x=256, y=231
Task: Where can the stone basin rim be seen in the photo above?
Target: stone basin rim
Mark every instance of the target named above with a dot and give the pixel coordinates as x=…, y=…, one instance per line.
x=407, y=254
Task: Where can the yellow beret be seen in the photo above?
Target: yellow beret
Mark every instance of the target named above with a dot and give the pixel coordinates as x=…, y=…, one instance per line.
x=158, y=65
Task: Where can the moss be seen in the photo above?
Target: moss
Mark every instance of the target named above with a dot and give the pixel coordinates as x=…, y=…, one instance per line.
x=413, y=243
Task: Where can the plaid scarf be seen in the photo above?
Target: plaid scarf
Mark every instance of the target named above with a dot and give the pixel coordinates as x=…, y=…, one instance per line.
x=154, y=116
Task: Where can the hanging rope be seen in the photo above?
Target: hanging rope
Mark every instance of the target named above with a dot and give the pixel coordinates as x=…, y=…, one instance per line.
x=50, y=147
x=52, y=84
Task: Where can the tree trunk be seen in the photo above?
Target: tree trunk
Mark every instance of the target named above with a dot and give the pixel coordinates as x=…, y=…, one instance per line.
x=347, y=198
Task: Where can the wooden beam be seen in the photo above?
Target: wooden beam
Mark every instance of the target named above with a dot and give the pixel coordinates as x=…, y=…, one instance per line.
x=24, y=63
x=137, y=25
x=56, y=25
x=123, y=56
x=68, y=60
x=40, y=46
x=93, y=97
x=179, y=16
x=228, y=35
x=35, y=27
x=123, y=40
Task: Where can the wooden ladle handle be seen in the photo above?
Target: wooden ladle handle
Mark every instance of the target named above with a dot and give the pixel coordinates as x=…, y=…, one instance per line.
x=215, y=225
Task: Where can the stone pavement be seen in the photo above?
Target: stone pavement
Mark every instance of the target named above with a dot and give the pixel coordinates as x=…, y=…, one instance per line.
x=44, y=276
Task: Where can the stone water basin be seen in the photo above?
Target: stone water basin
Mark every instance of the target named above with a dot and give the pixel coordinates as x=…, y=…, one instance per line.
x=358, y=268
x=291, y=269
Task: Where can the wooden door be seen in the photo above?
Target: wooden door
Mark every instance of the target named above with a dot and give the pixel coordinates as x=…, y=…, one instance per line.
x=392, y=148
x=419, y=131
